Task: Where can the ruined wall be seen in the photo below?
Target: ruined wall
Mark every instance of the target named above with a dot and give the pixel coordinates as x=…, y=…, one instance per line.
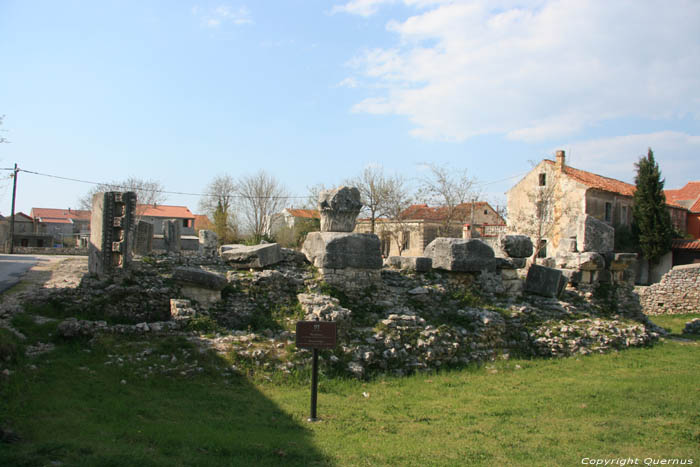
x=677, y=293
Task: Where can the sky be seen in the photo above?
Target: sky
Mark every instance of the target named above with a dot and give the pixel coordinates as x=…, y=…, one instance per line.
x=314, y=91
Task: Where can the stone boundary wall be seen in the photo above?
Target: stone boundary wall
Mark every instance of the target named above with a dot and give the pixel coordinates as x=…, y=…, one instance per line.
x=677, y=293
x=25, y=250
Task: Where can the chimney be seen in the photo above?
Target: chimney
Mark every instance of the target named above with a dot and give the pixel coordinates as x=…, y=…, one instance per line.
x=561, y=160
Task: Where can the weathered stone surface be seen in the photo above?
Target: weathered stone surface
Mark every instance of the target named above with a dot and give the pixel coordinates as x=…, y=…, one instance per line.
x=409, y=263
x=588, y=261
x=548, y=282
x=692, y=327
x=510, y=263
x=595, y=235
x=339, y=209
x=256, y=256
x=199, y=277
x=338, y=250
x=677, y=293
x=171, y=235
x=208, y=242
x=143, y=243
x=111, y=235
x=517, y=246
x=463, y=255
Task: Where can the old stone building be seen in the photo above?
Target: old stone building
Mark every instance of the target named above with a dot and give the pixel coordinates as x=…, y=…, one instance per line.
x=420, y=224
x=554, y=201
x=688, y=197
x=67, y=226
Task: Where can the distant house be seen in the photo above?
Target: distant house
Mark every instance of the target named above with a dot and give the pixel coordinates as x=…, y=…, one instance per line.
x=62, y=224
x=420, y=224
x=157, y=214
x=688, y=197
x=293, y=219
x=202, y=222
x=24, y=233
x=578, y=193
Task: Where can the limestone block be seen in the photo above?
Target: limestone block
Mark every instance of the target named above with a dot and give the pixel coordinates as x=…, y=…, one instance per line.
x=256, y=256
x=143, y=243
x=511, y=263
x=338, y=250
x=588, y=261
x=595, y=235
x=171, y=235
x=548, y=282
x=463, y=255
x=410, y=263
x=198, y=284
x=112, y=232
x=339, y=209
x=208, y=242
x=517, y=246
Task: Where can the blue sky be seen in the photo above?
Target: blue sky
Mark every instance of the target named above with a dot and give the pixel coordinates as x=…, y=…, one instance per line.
x=314, y=91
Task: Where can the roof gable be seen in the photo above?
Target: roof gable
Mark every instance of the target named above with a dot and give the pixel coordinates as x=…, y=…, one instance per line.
x=162, y=210
x=598, y=182
x=687, y=197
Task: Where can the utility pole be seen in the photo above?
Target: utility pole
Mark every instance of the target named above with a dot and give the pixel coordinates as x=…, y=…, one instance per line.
x=12, y=219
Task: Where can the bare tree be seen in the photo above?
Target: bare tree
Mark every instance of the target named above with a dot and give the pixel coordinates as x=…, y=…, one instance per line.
x=219, y=203
x=2, y=138
x=148, y=192
x=313, y=193
x=261, y=196
x=374, y=189
x=397, y=199
x=449, y=190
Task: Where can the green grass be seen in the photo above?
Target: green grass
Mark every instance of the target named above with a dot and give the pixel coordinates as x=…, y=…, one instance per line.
x=72, y=408
x=675, y=324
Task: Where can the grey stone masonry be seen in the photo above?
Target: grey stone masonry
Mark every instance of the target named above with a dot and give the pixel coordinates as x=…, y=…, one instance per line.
x=544, y=281
x=339, y=250
x=256, y=256
x=410, y=263
x=339, y=209
x=461, y=255
x=517, y=246
x=143, y=243
x=677, y=293
x=208, y=242
x=171, y=235
x=595, y=235
x=112, y=232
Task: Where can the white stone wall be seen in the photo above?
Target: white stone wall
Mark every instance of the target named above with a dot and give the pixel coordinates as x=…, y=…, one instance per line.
x=677, y=293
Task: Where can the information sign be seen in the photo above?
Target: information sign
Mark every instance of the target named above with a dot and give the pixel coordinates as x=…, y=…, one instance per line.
x=316, y=334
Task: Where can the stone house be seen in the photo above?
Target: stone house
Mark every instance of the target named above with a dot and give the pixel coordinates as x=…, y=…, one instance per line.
x=202, y=222
x=24, y=232
x=558, y=199
x=420, y=224
x=157, y=214
x=688, y=197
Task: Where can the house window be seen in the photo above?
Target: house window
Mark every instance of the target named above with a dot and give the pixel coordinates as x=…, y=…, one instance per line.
x=486, y=211
x=543, y=179
x=608, y=212
x=543, y=249
x=185, y=222
x=406, y=237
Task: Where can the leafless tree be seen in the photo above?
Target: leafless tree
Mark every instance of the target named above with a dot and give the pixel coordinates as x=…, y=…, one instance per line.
x=449, y=190
x=2, y=138
x=375, y=189
x=260, y=195
x=148, y=192
x=313, y=193
x=219, y=204
x=396, y=200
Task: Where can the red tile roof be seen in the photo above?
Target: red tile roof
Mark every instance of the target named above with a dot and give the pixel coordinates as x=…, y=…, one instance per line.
x=679, y=244
x=55, y=215
x=202, y=222
x=305, y=213
x=425, y=212
x=688, y=196
x=598, y=181
x=161, y=210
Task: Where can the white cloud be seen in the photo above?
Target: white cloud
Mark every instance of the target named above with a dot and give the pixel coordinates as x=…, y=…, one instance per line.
x=675, y=152
x=224, y=14
x=532, y=70
x=348, y=82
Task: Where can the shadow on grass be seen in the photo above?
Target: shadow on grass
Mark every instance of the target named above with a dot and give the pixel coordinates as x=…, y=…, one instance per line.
x=77, y=410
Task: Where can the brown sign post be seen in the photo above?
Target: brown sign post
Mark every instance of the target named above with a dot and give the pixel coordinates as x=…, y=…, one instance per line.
x=316, y=335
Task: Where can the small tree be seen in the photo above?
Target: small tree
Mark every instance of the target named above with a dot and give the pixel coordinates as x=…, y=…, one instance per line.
x=651, y=222
x=261, y=196
x=375, y=188
x=218, y=202
x=449, y=190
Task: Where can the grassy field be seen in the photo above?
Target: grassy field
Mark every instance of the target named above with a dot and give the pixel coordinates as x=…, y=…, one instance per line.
x=100, y=405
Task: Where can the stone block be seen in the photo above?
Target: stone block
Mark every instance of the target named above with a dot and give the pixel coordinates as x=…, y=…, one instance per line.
x=200, y=285
x=208, y=242
x=172, y=229
x=339, y=250
x=256, y=256
x=112, y=232
x=544, y=281
x=511, y=263
x=595, y=235
x=461, y=255
x=588, y=261
x=339, y=209
x=143, y=243
x=517, y=246
x=410, y=263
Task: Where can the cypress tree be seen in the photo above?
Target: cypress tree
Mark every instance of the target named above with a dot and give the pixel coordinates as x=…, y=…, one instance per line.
x=651, y=220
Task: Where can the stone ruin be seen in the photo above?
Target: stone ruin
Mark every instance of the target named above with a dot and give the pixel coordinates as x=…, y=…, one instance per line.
x=143, y=243
x=112, y=232
x=345, y=259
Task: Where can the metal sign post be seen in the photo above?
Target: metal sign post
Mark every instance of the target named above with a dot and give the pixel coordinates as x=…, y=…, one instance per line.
x=316, y=335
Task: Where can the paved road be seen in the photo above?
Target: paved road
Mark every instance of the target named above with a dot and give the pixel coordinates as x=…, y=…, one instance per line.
x=13, y=267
